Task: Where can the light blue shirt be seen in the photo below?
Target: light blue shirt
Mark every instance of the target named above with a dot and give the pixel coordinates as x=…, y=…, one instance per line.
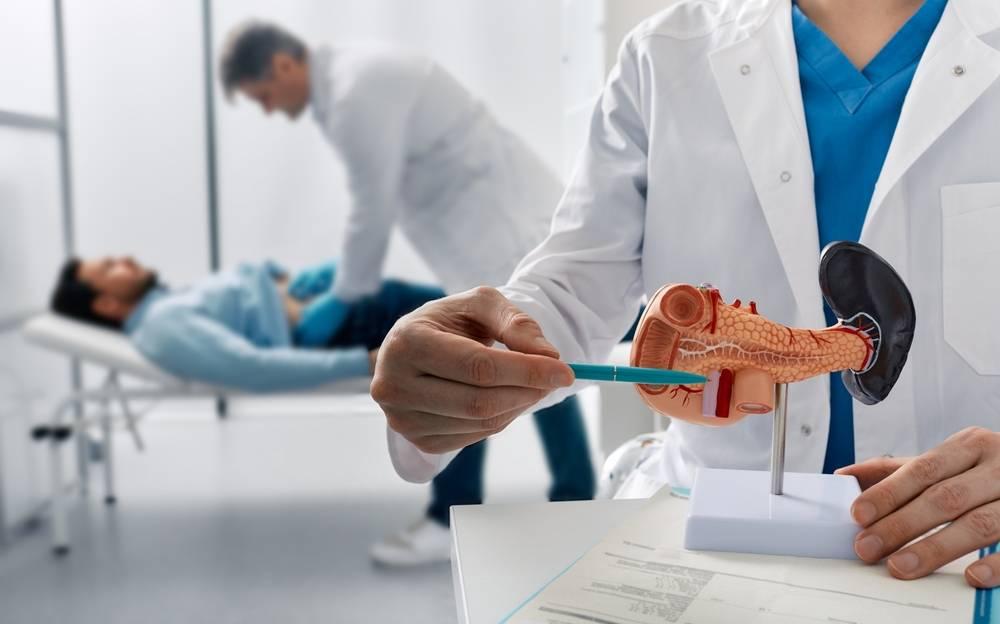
x=851, y=115
x=230, y=329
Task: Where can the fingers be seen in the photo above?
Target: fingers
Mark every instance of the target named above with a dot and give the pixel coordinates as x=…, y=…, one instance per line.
x=957, y=454
x=439, y=436
x=870, y=472
x=436, y=425
x=443, y=387
x=977, y=528
x=940, y=503
x=444, y=443
x=463, y=360
x=458, y=400
x=985, y=573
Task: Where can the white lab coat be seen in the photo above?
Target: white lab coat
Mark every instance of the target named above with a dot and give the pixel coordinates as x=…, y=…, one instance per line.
x=698, y=169
x=421, y=152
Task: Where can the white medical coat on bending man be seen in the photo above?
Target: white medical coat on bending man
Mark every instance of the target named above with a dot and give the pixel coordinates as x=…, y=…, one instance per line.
x=420, y=151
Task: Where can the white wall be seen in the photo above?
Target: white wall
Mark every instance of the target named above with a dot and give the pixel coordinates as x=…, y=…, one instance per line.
x=593, y=31
x=27, y=57
x=138, y=131
x=136, y=101
x=282, y=188
x=31, y=250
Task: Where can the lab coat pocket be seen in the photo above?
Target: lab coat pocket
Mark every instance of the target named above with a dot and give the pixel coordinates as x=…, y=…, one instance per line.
x=971, y=273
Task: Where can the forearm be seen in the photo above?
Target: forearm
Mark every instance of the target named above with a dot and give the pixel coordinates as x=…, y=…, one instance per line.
x=272, y=370
x=375, y=169
x=362, y=261
x=199, y=349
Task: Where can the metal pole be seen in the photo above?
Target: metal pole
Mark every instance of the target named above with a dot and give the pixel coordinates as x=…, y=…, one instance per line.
x=211, y=158
x=65, y=164
x=778, y=439
x=60, y=524
x=109, y=454
x=66, y=179
x=210, y=151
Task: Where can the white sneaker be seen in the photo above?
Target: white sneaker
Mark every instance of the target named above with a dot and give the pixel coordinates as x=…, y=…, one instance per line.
x=422, y=543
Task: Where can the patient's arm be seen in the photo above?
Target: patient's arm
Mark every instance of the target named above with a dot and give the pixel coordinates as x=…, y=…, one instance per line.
x=197, y=348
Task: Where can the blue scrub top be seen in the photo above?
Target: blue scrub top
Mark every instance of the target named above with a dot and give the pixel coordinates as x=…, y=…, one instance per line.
x=851, y=116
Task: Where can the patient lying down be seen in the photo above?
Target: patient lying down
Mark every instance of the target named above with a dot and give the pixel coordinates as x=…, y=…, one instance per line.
x=234, y=328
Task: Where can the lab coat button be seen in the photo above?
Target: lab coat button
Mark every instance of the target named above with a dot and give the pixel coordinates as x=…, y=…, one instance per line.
x=806, y=430
x=786, y=176
x=958, y=70
x=744, y=69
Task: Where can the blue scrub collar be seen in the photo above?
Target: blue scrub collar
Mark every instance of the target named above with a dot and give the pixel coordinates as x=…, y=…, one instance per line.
x=850, y=84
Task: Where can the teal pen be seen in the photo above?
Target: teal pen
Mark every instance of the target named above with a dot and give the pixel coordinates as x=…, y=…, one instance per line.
x=632, y=374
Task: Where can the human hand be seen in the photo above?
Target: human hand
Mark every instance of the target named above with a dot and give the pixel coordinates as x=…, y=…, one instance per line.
x=903, y=499
x=320, y=320
x=443, y=387
x=313, y=281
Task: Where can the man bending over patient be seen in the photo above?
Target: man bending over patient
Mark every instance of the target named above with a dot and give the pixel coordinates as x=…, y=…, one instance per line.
x=235, y=328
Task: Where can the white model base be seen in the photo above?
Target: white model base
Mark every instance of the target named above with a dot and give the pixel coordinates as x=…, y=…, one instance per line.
x=734, y=511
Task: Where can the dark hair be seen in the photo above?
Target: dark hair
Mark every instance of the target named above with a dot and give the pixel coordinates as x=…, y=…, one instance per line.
x=249, y=49
x=75, y=298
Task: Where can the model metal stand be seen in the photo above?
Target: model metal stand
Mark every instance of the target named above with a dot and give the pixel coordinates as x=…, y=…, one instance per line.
x=778, y=439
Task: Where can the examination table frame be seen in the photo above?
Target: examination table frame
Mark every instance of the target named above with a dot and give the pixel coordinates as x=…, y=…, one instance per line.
x=70, y=419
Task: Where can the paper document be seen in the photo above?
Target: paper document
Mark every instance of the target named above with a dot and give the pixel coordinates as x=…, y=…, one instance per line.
x=640, y=573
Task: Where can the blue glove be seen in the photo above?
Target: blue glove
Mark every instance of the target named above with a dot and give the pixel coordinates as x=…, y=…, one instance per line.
x=320, y=320
x=313, y=281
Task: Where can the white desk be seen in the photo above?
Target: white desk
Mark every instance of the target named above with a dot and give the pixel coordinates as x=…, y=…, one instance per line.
x=502, y=554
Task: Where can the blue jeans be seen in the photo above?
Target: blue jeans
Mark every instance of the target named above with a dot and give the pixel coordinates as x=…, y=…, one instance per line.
x=564, y=440
x=370, y=318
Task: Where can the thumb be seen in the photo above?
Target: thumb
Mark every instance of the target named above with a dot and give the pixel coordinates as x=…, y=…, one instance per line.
x=508, y=324
x=870, y=472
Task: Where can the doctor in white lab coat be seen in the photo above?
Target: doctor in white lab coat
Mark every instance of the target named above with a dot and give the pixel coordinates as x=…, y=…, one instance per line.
x=698, y=169
x=421, y=152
